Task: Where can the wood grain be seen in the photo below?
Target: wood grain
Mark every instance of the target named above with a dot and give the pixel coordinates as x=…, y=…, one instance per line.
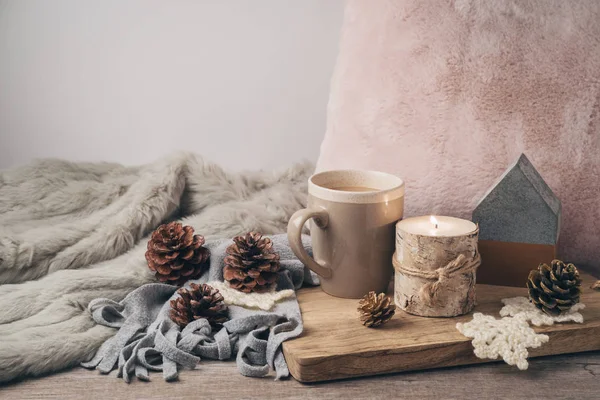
x=578, y=376
x=335, y=345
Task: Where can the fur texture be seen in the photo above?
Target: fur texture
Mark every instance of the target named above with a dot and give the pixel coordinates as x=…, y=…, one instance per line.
x=65, y=223
x=447, y=95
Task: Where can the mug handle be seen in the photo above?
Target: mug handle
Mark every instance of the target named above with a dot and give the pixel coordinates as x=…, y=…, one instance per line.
x=294, y=233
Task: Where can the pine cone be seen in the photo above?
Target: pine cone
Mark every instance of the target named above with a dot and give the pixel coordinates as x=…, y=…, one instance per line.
x=375, y=309
x=554, y=289
x=176, y=255
x=199, y=301
x=251, y=264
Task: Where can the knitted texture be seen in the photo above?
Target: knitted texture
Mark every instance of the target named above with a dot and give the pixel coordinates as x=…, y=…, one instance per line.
x=148, y=340
x=264, y=301
x=510, y=337
x=521, y=306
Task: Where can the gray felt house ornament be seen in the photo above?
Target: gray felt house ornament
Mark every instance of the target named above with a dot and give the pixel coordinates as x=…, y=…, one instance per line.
x=519, y=223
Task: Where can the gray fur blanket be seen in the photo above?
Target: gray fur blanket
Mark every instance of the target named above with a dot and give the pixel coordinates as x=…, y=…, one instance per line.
x=73, y=232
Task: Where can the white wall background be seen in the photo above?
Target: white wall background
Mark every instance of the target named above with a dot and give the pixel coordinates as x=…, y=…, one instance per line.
x=243, y=82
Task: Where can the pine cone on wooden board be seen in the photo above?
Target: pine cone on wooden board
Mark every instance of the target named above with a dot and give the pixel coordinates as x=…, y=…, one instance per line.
x=375, y=309
x=176, y=255
x=199, y=301
x=554, y=288
x=251, y=264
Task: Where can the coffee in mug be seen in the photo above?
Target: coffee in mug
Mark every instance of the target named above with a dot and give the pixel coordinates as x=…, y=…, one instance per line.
x=353, y=216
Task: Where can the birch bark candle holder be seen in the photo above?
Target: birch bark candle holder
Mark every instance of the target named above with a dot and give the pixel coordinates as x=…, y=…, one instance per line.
x=435, y=265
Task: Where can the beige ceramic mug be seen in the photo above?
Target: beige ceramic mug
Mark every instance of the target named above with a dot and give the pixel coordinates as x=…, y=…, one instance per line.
x=353, y=217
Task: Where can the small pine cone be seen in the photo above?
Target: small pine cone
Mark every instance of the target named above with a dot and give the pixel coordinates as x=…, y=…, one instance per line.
x=554, y=289
x=251, y=264
x=176, y=255
x=375, y=309
x=199, y=301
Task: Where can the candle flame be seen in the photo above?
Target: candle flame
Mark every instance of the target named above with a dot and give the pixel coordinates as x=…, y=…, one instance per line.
x=433, y=221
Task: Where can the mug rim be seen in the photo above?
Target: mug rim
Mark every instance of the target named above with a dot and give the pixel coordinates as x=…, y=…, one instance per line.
x=391, y=191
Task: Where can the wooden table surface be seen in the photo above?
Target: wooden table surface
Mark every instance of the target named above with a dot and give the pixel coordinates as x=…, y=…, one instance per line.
x=571, y=376
x=575, y=376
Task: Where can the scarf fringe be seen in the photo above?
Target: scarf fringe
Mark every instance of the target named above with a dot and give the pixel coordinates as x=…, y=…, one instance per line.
x=135, y=349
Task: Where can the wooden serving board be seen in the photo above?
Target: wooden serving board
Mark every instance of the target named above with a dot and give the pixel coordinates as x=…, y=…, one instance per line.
x=335, y=345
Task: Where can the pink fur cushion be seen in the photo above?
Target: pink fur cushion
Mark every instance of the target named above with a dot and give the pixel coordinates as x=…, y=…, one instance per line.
x=448, y=94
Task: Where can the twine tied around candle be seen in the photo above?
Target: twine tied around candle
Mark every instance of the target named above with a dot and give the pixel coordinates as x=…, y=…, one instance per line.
x=461, y=264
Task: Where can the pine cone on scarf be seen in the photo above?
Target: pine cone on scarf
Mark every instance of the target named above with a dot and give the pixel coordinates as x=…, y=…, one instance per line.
x=251, y=264
x=199, y=301
x=375, y=309
x=554, y=289
x=176, y=255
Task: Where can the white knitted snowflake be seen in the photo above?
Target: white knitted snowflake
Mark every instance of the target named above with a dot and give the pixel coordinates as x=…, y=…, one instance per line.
x=264, y=301
x=510, y=336
x=523, y=307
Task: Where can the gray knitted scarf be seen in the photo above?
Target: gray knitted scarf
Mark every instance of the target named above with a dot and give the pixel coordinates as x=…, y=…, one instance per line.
x=148, y=340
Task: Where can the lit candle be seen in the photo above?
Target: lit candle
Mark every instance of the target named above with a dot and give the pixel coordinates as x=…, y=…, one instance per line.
x=435, y=225
x=433, y=221
x=435, y=262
